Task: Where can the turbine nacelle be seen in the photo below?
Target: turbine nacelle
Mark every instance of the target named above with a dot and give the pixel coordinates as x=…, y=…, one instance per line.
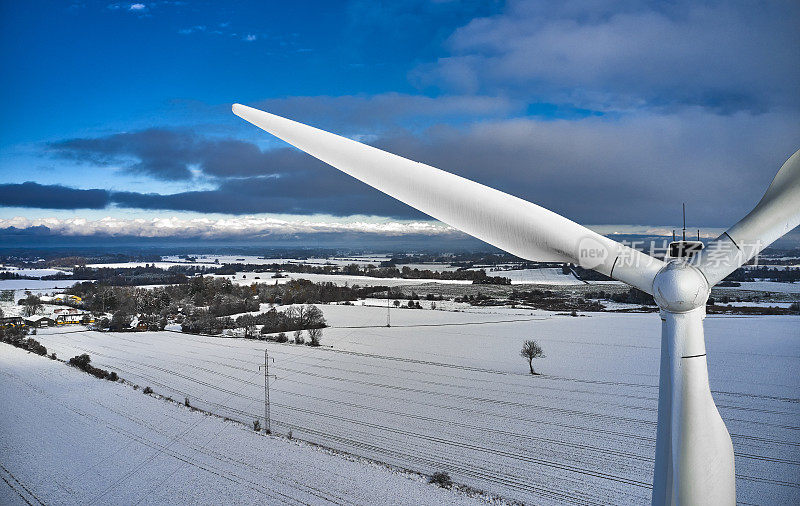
x=678, y=287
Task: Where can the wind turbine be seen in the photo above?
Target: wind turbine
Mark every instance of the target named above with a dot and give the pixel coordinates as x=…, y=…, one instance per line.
x=694, y=455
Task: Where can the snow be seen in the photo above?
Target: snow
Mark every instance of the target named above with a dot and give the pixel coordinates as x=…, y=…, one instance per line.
x=518, y=277
x=36, y=272
x=256, y=260
x=36, y=285
x=429, y=267
x=764, y=286
x=160, y=265
x=247, y=278
x=220, y=259
x=756, y=304
x=446, y=390
x=339, y=261
x=537, y=276
x=67, y=437
x=371, y=281
x=780, y=267
x=361, y=261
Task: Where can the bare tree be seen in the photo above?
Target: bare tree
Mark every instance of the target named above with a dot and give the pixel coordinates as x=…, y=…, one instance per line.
x=32, y=305
x=531, y=350
x=298, y=337
x=314, y=336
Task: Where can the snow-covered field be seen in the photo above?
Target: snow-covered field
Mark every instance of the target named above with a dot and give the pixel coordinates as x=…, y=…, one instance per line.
x=256, y=260
x=160, y=265
x=444, y=390
x=36, y=285
x=429, y=267
x=519, y=276
x=537, y=276
x=765, y=286
x=35, y=272
x=246, y=278
x=68, y=438
x=758, y=304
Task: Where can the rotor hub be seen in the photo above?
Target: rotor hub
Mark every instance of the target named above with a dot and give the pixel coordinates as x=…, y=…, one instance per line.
x=679, y=287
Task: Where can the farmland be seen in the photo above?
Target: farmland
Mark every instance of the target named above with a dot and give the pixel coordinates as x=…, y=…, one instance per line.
x=71, y=438
x=447, y=391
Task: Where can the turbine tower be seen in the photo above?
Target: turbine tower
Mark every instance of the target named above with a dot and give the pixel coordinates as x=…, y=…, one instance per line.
x=694, y=454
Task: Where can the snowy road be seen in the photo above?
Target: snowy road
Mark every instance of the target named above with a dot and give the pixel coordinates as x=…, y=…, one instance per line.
x=447, y=391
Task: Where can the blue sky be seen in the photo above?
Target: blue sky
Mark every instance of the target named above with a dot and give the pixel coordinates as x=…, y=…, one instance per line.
x=116, y=116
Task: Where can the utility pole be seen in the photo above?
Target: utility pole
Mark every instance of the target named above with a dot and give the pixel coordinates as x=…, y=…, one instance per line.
x=267, y=375
x=388, y=319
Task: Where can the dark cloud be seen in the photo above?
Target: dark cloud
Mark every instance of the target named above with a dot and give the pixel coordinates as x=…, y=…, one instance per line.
x=159, y=153
x=171, y=154
x=230, y=157
x=31, y=194
x=333, y=194
x=302, y=193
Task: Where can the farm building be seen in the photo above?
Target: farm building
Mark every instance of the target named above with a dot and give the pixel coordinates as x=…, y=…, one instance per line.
x=39, y=321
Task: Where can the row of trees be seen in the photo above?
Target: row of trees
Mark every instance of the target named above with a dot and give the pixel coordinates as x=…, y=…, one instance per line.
x=17, y=335
x=630, y=296
x=553, y=301
x=206, y=304
x=218, y=296
x=131, y=276
x=405, y=272
x=787, y=275
x=293, y=318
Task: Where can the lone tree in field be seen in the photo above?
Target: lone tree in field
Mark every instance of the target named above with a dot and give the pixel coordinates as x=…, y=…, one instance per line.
x=531, y=350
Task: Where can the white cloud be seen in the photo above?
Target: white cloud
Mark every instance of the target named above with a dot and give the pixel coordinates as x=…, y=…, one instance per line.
x=259, y=227
x=239, y=226
x=250, y=37
x=137, y=7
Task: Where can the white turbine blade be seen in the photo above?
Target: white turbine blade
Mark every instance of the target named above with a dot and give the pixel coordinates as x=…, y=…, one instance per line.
x=694, y=453
x=776, y=214
x=510, y=223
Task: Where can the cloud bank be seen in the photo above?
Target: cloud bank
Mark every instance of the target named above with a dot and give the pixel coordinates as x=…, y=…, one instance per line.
x=208, y=228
